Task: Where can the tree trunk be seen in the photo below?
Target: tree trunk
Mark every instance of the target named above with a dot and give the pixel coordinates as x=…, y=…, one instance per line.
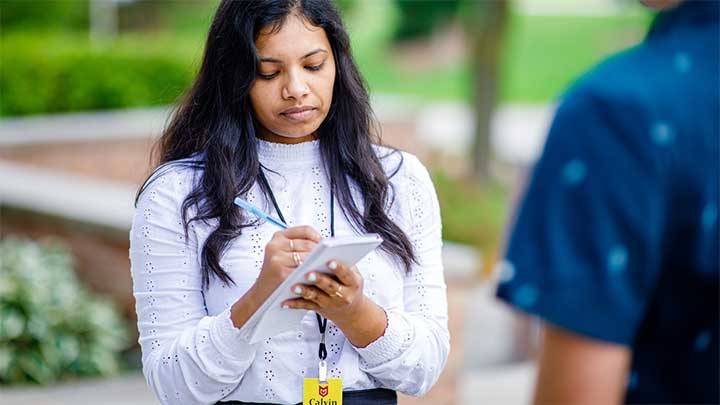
x=485, y=31
x=103, y=20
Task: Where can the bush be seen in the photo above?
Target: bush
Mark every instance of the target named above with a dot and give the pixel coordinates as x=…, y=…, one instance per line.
x=65, y=72
x=50, y=326
x=44, y=14
x=472, y=214
x=419, y=18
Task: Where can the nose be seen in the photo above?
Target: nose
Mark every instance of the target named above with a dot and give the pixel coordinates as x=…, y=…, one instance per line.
x=295, y=87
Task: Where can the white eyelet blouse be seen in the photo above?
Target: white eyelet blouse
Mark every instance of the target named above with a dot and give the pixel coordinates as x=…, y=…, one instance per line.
x=192, y=353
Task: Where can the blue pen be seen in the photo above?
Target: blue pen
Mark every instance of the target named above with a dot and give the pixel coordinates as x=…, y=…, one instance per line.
x=258, y=212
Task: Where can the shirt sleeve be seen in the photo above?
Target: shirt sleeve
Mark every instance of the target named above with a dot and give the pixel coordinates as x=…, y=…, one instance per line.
x=411, y=354
x=584, y=251
x=188, y=357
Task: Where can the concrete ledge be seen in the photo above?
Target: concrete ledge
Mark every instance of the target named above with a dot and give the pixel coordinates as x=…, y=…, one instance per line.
x=496, y=365
x=494, y=330
x=124, y=389
x=64, y=195
x=461, y=262
x=518, y=130
x=511, y=384
x=85, y=126
x=140, y=123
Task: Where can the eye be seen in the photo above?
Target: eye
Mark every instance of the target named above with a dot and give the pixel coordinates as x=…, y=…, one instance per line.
x=315, y=68
x=267, y=76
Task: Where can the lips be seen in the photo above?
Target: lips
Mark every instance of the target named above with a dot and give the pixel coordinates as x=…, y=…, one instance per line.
x=299, y=114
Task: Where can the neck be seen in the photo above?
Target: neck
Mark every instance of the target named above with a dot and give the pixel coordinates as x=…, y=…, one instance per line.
x=275, y=138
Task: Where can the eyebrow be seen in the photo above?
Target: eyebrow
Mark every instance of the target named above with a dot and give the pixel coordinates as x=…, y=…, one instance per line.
x=307, y=55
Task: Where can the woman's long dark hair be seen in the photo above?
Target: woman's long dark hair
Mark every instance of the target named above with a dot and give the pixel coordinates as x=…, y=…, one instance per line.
x=215, y=118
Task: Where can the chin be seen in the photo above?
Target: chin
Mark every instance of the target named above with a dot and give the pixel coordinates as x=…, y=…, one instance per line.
x=296, y=136
x=297, y=132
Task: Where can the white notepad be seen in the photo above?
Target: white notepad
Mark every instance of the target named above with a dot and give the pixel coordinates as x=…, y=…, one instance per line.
x=271, y=319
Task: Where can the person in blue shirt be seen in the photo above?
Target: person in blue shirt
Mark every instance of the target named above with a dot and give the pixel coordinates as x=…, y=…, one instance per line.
x=615, y=243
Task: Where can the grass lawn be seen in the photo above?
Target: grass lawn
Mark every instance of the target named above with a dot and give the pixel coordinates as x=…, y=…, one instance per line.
x=542, y=56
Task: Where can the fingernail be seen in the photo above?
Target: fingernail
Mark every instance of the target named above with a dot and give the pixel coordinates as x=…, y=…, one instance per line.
x=286, y=306
x=298, y=290
x=312, y=277
x=332, y=265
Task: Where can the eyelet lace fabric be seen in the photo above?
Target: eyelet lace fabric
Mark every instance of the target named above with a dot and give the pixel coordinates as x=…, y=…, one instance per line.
x=192, y=353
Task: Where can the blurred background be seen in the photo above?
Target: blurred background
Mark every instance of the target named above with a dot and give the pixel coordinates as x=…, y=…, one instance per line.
x=86, y=86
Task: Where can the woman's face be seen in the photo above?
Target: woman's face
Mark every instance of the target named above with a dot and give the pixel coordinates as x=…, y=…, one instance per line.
x=293, y=91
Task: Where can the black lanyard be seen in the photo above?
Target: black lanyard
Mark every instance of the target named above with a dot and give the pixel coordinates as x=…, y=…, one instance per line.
x=322, y=322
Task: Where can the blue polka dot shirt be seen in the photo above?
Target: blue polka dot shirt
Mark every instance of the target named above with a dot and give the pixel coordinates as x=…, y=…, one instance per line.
x=616, y=237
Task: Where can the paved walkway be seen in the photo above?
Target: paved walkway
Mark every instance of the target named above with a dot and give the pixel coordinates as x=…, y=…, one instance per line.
x=69, y=196
x=517, y=130
x=84, y=126
x=121, y=390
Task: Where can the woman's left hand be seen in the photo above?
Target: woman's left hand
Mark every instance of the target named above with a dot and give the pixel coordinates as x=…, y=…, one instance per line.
x=337, y=296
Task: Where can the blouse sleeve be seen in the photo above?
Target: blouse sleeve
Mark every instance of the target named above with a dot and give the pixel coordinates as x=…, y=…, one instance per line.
x=188, y=357
x=412, y=353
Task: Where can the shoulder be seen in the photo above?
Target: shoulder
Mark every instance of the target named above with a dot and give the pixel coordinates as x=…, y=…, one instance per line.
x=410, y=181
x=613, y=84
x=174, y=179
x=401, y=166
x=632, y=84
x=609, y=108
x=634, y=104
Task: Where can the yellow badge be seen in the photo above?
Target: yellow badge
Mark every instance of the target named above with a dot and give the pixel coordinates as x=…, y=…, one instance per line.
x=327, y=393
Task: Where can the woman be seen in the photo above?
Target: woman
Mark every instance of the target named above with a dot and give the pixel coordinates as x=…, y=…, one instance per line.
x=279, y=115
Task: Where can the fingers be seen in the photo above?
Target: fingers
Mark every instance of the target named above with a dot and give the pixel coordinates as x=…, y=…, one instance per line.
x=345, y=274
x=282, y=244
x=296, y=239
x=301, y=232
x=329, y=285
x=326, y=291
x=300, y=245
x=289, y=259
x=301, y=303
x=312, y=294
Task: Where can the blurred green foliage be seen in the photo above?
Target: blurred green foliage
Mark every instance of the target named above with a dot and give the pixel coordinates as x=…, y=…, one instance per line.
x=50, y=326
x=44, y=15
x=542, y=55
x=45, y=71
x=65, y=72
x=419, y=18
x=345, y=6
x=471, y=213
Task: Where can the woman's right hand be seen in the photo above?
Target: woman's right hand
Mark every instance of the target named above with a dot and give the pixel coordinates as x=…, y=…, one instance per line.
x=285, y=251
